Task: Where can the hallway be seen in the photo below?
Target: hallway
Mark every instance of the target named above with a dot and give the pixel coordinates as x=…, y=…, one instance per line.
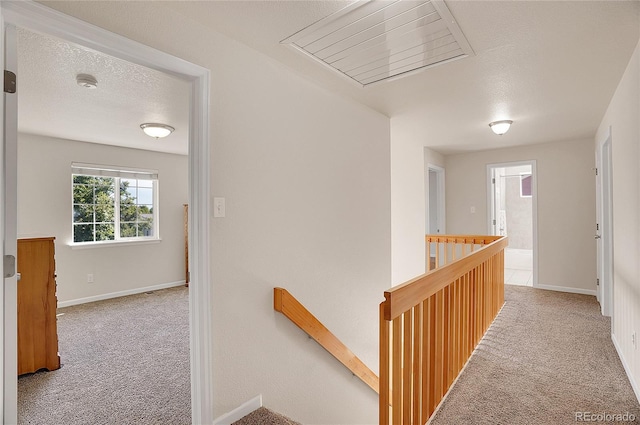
x=548, y=358
x=518, y=267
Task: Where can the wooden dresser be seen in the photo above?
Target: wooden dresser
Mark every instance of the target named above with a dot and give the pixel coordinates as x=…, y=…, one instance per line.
x=37, y=303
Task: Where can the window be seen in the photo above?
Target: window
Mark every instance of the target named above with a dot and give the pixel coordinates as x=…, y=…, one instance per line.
x=525, y=185
x=113, y=204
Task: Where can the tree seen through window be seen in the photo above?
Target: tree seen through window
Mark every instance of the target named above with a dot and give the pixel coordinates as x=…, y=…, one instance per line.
x=112, y=208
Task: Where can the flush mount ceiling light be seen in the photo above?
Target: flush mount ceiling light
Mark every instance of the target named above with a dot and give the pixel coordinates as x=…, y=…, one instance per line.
x=87, y=81
x=500, y=127
x=156, y=130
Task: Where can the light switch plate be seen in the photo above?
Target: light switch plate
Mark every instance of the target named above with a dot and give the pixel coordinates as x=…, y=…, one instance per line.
x=219, y=209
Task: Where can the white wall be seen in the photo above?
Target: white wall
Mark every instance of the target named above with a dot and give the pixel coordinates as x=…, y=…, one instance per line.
x=306, y=178
x=622, y=116
x=566, y=206
x=408, y=207
x=44, y=209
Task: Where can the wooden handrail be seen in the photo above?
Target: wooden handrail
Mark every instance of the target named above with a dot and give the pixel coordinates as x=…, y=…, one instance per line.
x=430, y=326
x=289, y=306
x=403, y=297
x=464, y=239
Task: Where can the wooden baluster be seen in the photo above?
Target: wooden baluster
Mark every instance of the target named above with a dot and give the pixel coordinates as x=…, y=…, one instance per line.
x=427, y=359
x=407, y=367
x=439, y=347
x=447, y=338
x=396, y=388
x=418, y=354
x=428, y=265
x=384, y=369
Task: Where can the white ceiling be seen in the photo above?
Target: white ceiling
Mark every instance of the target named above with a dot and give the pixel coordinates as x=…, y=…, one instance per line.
x=51, y=103
x=551, y=66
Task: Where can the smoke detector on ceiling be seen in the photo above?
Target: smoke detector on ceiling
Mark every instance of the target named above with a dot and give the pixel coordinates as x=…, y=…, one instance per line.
x=87, y=81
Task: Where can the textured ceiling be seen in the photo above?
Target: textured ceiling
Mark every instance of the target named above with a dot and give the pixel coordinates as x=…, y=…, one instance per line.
x=551, y=66
x=127, y=96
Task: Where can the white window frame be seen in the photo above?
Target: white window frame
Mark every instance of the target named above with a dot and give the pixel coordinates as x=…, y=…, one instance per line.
x=118, y=173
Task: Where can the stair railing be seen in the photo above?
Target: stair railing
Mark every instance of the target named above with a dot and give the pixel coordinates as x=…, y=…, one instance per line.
x=430, y=325
x=289, y=306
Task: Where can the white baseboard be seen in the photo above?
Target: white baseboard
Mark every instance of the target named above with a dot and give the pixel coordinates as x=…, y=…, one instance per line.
x=119, y=294
x=240, y=412
x=567, y=289
x=634, y=384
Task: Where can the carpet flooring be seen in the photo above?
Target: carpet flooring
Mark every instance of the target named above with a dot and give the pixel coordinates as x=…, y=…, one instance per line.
x=124, y=361
x=547, y=359
x=264, y=416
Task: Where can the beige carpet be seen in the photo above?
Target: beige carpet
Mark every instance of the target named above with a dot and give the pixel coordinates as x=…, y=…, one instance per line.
x=264, y=416
x=547, y=357
x=124, y=361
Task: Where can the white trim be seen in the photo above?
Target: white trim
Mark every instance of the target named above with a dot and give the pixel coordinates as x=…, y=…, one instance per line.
x=442, y=214
x=41, y=19
x=111, y=244
x=567, y=289
x=534, y=205
x=10, y=201
x=239, y=412
x=119, y=294
x=627, y=369
x=113, y=171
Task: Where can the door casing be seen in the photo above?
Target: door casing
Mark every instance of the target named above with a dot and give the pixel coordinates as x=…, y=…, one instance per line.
x=534, y=207
x=39, y=18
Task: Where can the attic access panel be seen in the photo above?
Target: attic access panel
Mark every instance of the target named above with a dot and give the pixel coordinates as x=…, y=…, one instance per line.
x=376, y=40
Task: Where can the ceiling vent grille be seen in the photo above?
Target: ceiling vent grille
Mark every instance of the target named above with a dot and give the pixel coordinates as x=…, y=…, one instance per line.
x=378, y=40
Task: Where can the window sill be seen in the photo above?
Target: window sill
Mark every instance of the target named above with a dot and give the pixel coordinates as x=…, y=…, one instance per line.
x=111, y=244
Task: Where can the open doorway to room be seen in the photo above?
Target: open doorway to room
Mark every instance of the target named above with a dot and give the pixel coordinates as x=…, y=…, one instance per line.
x=107, y=186
x=512, y=214
x=434, y=208
x=48, y=22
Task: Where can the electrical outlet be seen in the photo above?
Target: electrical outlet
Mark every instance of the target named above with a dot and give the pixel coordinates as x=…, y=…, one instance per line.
x=90, y=278
x=634, y=340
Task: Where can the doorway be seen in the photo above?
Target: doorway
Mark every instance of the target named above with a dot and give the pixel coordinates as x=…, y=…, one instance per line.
x=512, y=198
x=41, y=19
x=604, y=226
x=435, y=217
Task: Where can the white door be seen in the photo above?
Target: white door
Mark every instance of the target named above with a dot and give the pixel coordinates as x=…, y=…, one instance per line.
x=435, y=223
x=603, y=227
x=9, y=223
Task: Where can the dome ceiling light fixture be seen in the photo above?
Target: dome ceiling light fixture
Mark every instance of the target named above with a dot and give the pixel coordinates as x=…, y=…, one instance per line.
x=87, y=81
x=156, y=130
x=500, y=127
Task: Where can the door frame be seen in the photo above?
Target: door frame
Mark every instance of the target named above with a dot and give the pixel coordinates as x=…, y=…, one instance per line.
x=42, y=19
x=534, y=205
x=440, y=197
x=604, y=224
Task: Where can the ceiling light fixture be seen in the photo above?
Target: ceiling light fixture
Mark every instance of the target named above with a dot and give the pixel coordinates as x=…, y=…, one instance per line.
x=156, y=130
x=500, y=127
x=87, y=81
